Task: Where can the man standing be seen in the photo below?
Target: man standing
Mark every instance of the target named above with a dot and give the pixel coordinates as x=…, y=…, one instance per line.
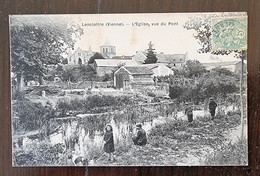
x=189, y=112
x=212, y=108
x=140, y=138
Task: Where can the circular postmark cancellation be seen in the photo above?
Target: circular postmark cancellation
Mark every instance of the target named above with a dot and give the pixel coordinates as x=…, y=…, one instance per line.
x=229, y=33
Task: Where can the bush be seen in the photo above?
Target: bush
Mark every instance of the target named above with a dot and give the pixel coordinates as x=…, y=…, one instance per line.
x=229, y=154
x=31, y=115
x=41, y=154
x=92, y=104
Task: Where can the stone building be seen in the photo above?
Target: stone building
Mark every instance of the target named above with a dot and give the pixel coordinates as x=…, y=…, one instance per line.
x=129, y=77
x=107, y=66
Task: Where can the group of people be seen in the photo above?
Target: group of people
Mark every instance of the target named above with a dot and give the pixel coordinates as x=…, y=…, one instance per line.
x=189, y=110
x=139, y=139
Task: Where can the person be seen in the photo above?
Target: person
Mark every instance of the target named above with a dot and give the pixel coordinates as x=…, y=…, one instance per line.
x=109, y=142
x=140, y=138
x=212, y=108
x=80, y=161
x=189, y=112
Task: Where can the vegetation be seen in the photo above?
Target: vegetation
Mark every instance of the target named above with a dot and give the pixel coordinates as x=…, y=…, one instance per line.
x=94, y=57
x=32, y=116
x=92, y=104
x=37, y=43
x=76, y=73
x=219, y=82
x=201, y=26
x=229, y=154
x=194, y=68
x=151, y=57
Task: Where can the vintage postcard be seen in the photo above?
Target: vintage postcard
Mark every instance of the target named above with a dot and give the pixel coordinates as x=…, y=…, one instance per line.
x=165, y=89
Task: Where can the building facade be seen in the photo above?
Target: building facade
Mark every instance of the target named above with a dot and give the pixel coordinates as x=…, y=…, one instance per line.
x=129, y=77
x=80, y=56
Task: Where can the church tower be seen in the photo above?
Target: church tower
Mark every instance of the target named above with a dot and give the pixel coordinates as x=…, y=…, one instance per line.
x=108, y=49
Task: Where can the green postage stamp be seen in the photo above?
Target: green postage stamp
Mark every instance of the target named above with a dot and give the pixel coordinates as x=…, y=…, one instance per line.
x=229, y=33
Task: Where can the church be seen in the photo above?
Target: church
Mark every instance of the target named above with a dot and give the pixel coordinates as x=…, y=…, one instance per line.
x=81, y=56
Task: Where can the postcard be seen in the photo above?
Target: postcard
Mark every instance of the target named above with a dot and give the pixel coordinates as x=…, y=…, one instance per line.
x=166, y=89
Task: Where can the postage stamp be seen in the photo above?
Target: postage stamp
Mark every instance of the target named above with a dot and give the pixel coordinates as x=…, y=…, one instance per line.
x=229, y=33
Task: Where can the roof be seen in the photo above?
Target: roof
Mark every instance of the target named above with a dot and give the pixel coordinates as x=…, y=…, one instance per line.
x=171, y=58
x=140, y=56
x=123, y=57
x=139, y=70
x=218, y=64
x=114, y=62
x=152, y=66
x=88, y=52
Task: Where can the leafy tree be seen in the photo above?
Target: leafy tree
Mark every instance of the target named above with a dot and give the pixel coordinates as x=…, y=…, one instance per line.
x=38, y=42
x=94, y=57
x=202, y=28
x=151, y=57
x=194, y=68
x=75, y=73
x=223, y=71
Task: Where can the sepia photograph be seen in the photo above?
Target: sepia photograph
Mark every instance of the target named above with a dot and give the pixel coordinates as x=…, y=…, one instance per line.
x=150, y=89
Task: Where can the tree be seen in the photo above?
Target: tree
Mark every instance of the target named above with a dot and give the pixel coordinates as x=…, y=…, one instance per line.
x=38, y=42
x=75, y=73
x=194, y=68
x=151, y=57
x=94, y=57
x=203, y=32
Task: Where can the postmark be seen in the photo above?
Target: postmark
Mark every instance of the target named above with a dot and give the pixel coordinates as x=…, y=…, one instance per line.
x=229, y=33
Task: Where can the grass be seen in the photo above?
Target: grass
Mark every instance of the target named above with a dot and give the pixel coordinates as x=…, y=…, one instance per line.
x=229, y=154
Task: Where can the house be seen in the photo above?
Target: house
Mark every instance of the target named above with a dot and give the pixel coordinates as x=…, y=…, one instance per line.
x=140, y=57
x=123, y=57
x=107, y=66
x=80, y=56
x=129, y=77
x=234, y=66
x=159, y=69
x=174, y=61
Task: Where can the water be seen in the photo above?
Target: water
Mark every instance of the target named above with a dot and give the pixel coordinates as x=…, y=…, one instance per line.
x=83, y=134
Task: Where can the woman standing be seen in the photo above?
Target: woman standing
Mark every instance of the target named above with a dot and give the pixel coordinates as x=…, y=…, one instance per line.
x=109, y=142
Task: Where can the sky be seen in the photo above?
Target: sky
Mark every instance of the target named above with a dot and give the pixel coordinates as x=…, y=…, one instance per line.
x=133, y=32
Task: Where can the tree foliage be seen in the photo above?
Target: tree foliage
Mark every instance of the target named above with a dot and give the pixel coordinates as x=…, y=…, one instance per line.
x=94, y=57
x=75, y=73
x=38, y=42
x=151, y=57
x=220, y=82
x=201, y=25
x=194, y=68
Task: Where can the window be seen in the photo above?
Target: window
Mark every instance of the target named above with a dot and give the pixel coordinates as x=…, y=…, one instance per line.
x=79, y=54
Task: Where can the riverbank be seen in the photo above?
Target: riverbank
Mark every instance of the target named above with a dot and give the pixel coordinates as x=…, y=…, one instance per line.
x=178, y=143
